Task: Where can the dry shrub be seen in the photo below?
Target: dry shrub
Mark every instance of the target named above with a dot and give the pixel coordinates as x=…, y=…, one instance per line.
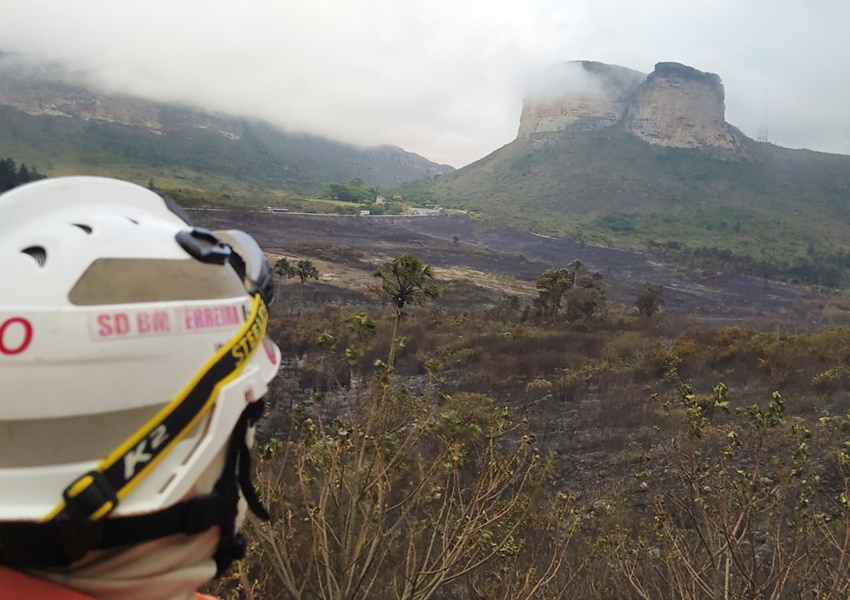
x=781, y=356
x=731, y=342
x=622, y=413
x=408, y=500
x=574, y=380
x=628, y=348
x=684, y=346
x=832, y=346
x=739, y=510
x=749, y=504
x=539, y=386
x=837, y=308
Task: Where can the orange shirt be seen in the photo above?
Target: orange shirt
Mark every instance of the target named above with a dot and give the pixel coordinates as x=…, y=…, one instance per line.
x=18, y=586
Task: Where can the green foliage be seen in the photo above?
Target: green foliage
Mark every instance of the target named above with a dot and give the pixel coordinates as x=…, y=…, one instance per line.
x=362, y=325
x=284, y=268
x=354, y=191
x=405, y=280
x=618, y=222
x=12, y=176
x=820, y=268
x=305, y=269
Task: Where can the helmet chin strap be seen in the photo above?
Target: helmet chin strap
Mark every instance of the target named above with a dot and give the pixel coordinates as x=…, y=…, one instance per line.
x=61, y=543
x=235, y=477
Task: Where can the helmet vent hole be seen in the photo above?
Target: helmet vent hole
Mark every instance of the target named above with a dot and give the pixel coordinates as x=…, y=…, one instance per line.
x=38, y=253
x=85, y=228
x=133, y=221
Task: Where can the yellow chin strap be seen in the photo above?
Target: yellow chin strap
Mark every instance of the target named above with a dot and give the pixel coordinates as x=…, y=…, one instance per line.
x=97, y=493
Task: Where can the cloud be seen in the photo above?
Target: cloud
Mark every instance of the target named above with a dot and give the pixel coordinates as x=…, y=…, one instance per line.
x=568, y=79
x=443, y=78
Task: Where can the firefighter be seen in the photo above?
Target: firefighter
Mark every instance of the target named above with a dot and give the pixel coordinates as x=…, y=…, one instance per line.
x=134, y=362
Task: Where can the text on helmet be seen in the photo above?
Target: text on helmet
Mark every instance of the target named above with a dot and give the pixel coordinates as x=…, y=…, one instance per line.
x=166, y=321
x=253, y=337
x=15, y=336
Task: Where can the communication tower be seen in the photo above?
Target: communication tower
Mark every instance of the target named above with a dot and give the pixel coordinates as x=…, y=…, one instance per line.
x=762, y=135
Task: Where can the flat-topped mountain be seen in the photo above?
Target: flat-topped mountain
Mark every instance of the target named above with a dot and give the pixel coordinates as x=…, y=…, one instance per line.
x=675, y=105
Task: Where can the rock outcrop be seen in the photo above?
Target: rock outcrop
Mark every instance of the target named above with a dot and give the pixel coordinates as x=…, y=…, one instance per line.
x=681, y=107
x=675, y=105
x=591, y=94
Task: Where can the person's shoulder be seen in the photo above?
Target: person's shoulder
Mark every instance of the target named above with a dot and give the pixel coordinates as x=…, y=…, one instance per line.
x=15, y=585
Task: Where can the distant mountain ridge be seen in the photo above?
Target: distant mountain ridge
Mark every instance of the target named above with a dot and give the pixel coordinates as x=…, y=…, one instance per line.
x=47, y=118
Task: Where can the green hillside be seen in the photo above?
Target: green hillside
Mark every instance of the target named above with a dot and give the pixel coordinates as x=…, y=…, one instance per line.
x=607, y=187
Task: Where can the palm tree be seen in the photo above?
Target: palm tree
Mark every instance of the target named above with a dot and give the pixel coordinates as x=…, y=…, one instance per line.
x=306, y=270
x=283, y=268
x=406, y=281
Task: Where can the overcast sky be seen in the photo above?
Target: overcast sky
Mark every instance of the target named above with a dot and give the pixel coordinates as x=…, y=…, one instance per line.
x=444, y=78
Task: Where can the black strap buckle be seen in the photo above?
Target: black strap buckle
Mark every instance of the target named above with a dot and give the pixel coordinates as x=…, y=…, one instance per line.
x=203, y=245
x=94, y=501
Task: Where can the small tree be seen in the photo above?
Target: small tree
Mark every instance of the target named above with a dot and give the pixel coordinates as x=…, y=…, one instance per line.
x=406, y=280
x=570, y=291
x=284, y=268
x=551, y=287
x=306, y=270
x=649, y=301
x=12, y=176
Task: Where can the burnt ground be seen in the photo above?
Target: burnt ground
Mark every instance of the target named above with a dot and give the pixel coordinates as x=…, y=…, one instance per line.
x=589, y=430
x=463, y=242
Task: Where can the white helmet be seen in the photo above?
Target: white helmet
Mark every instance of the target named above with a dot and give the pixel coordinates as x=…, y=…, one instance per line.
x=131, y=345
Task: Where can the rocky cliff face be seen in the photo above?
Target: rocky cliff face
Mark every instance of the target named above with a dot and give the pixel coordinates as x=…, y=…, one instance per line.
x=41, y=92
x=590, y=94
x=675, y=105
x=681, y=107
